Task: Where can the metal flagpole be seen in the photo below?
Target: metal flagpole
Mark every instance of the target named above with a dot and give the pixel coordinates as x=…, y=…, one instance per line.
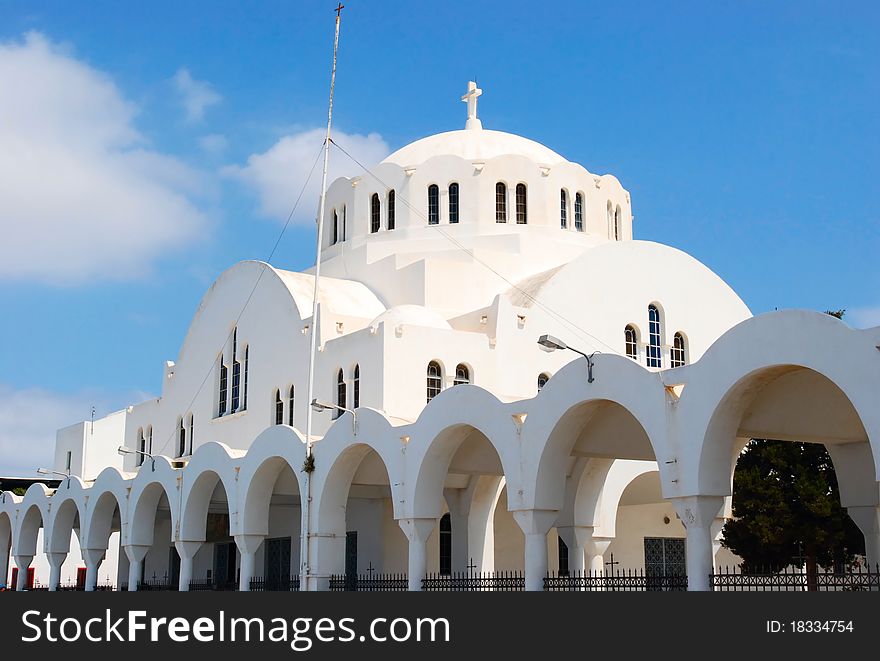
x=305, y=535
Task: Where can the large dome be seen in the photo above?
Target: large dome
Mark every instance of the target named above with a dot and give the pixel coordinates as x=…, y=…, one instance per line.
x=473, y=145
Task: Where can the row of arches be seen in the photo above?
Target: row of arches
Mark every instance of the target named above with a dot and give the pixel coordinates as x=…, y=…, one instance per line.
x=545, y=461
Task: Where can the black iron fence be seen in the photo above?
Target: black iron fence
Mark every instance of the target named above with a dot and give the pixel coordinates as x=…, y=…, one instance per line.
x=793, y=579
x=157, y=585
x=369, y=583
x=621, y=580
x=204, y=584
x=499, y=581
x=261, y=584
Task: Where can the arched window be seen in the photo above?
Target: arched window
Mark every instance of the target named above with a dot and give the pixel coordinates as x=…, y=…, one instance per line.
x=191, y=426
x=435, y=380
x=617, y=224
x=141, y=446
x=149, y=439
x=521, y=204
x=356, y=387
x=453, y=203
x=433, y=204
x=579, y=212
x=279, y=408
x=236, y=373
x=341, y=395
x=221, y=404
x=655, y=356
x=631, y=339
x=244, y=384
x=500, y=202
x=342, y=225
x=390, y=223
x=335, y=228
x=290, y=407
x=445, y=545
x=181, y=438
x=375, y=213
x=563, y=209
x=462, y=375
x=678, y=353
x=543, y=378
x=610, y=215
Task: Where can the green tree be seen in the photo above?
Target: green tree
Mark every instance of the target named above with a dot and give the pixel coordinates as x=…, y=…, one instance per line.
x=786, y=506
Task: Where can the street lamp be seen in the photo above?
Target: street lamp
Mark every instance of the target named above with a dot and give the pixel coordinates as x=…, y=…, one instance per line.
x=549, y=343
x=46, y=471
x=125, y=450
x=320, y=407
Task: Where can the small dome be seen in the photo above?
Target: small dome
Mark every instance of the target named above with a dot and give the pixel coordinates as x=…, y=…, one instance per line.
x=411, y=315
x=473, y=145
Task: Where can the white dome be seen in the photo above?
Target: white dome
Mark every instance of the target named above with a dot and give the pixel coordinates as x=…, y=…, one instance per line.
x=411, y=315
x=473, y=145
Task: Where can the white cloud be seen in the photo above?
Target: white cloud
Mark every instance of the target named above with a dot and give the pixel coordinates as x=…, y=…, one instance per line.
x=30, y=417
x=277, y=175
x=866, y=317
x=195, y=95
x=213, y=144
x=83, y=196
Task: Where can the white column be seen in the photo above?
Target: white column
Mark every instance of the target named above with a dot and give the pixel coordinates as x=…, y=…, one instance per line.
x=417, y=532
x=459, y=501
x=698, y=513
x=22, y=562
x=594, y=548
x=4, y=564
x=135, y=554
x=867, y=518
x=535, y=525
x=55, y=562
x=247, y=547
x=186, y=551
x=93, y=559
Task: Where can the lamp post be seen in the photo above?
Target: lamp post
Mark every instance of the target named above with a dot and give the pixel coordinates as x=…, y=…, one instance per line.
x=549, y=343
x=320, y=407
x=46, y=471
x=124, y=451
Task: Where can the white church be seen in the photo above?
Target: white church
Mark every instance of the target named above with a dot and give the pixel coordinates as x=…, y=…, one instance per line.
x=507, y=383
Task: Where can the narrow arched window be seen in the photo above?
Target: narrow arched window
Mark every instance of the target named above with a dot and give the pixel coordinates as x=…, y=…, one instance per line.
x=356, y=387
x=678, y=353
x=342, y=225
x=543, y=378
x=445, y=545
x=245, y=380
x=631, y=340
x=521, y=204
x=500, y=202
x=655, y=358
x=279, y=408
x=433, y=204
x=150, y=439
x=142, y=447
x=579, y=212
x=181, y=438
x=563, y=209
x=617, y=224
x=191, y=429
x=462, y=375
x=221, y=404
x=290, y=407
x=453, y=203
x=236, y=373
x=375, y=213
x=341, y=395
x=390, y=224
x=335, y=228
x=435, y=380
x=610, y=215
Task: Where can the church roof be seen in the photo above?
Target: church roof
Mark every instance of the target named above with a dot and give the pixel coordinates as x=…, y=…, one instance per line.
x=474, y=145
x=343, y=297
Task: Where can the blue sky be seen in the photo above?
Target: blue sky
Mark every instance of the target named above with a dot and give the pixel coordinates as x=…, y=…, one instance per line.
x=155, y=144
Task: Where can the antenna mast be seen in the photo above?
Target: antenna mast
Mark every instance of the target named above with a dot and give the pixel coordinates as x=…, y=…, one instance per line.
x=306, y=503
